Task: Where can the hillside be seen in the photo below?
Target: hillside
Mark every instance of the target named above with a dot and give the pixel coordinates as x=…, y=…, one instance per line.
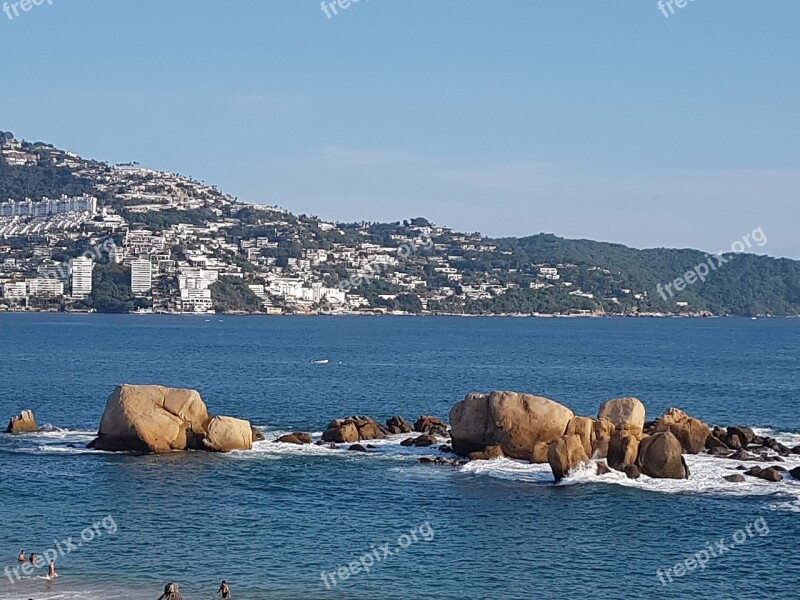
x=209, y=251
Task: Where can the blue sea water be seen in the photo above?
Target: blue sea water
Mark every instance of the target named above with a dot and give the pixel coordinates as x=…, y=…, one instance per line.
x=271, y=521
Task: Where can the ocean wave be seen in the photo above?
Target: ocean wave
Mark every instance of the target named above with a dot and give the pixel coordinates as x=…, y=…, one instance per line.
x=707, y=476
x=707, y=472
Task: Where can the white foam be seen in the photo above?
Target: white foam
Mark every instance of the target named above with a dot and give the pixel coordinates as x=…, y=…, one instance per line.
x=706, y=475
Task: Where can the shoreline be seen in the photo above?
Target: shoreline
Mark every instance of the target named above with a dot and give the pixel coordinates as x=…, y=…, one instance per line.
x=419, y=315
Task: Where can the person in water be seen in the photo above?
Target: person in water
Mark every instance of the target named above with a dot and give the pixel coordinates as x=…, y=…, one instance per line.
x=22, y=557
x=51, y=570
x=34, y=558
x=224, y=591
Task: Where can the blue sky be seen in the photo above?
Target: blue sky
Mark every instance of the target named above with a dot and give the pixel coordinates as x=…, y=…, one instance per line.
x=602, y=120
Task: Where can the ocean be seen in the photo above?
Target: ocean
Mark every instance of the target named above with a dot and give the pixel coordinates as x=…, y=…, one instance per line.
x=276, y=522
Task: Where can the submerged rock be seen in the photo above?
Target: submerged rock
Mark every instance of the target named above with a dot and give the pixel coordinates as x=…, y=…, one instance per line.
x=515, y=422
x=421, y=441
x=735, y=478
x=768, y=474
x=298, y=437
x=431, y=425
x=24, y=423
x=487, y=453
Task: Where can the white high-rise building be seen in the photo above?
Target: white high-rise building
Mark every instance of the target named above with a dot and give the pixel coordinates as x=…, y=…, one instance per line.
x=81, y=269
x=141, y=276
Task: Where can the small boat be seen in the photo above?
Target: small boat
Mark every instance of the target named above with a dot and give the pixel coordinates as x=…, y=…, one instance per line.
x=321, y=361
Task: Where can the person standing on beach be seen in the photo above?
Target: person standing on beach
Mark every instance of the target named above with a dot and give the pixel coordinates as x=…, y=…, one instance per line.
x=21, y=557
x=224, y=590
x=51, y=570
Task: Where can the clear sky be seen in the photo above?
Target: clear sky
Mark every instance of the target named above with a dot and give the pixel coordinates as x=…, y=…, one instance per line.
x=605, y=120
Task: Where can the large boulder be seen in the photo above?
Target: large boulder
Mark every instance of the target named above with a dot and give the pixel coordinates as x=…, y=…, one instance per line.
x=624, y=413
x=516, y=422
x=24, y=423
x=565, y=454
x=152, y=418
x=691, y=433
x=660, y=456
x=225, y=434
x=622, y=450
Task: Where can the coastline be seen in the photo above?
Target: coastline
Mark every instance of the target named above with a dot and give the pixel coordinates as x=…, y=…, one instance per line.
x=697, y=315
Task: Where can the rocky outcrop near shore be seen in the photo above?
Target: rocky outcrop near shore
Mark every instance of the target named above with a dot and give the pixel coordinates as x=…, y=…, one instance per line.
x=24, y=423
x=515, y=422
x=156, y=419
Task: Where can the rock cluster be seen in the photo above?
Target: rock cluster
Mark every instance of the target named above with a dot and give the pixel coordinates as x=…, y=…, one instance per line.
x=741, y=443
x=354, y=429
x=151, y=418
x=24, y=423
x=541, y=430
